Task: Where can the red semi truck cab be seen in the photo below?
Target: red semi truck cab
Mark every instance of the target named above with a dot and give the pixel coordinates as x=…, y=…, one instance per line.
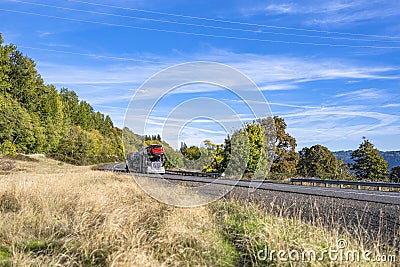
x=155, y=149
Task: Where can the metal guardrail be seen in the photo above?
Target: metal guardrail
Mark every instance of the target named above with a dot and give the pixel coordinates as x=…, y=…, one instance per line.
x=199, y=174
x=357, y=184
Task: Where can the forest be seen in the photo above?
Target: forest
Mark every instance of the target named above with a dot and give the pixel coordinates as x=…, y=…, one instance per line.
x=37, y=118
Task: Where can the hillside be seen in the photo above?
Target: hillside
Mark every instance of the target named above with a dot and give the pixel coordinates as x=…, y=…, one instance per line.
x=392, y=157
x=38, y=118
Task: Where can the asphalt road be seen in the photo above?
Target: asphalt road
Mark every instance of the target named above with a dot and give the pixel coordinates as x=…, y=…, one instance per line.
x=392, y=198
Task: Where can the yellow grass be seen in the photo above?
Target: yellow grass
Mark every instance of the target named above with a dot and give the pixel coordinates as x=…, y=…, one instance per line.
x=54, y=214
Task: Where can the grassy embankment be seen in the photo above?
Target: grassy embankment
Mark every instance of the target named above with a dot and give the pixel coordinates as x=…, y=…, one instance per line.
x=57, y=214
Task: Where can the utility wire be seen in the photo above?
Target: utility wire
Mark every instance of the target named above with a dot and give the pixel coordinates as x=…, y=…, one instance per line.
x=201, y=25
x=201, y=34
x=89, y=55
x=233, y=22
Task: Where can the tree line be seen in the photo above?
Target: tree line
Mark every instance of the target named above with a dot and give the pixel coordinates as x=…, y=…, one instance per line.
x=314, y=161
x=37, y=118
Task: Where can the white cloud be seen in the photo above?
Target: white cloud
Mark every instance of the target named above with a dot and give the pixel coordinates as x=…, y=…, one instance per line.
x=270, y=72
x=281, y=8
x=328, y=12
x=328, y=124
x=392, y=105
x=363, y=94
x=111, y=86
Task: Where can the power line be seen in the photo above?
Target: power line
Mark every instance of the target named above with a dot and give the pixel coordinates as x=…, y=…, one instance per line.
x=89, y=55
x=202, y=34
x=201, y=25
x=234, y=22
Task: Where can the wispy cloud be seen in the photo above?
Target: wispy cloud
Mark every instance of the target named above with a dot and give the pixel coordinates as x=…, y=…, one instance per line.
x=268, y=71
x=44, y=33
x=110, y=87
x=363, y=94
x=391, y=105
x=328, y=12
x=280, y=8
x=329, y=124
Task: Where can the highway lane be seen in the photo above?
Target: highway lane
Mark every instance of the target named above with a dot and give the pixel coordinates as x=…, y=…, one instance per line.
x=121, y=167
x=343, y=193
x=355, y=194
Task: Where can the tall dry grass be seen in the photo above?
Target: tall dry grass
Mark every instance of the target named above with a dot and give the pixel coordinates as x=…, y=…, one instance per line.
x=54, y=214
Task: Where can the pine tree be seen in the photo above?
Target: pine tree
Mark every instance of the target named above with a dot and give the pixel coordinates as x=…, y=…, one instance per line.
x=368, y=163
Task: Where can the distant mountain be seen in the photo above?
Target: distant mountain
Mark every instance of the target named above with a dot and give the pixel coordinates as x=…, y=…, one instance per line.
x=392, y=157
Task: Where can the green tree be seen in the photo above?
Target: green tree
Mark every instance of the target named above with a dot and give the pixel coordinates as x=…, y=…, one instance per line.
x=218, y=162
x=84, y=118
x=192, y=153
x=286, y=157
x=51, y=112
x=246, y=152
x=255, y=135
x=368, y=163
x=70, y=102
x=395, y=174
x=317, y=161
x=8, y=148
x=35, y=117
x=19, y=127
x=5, y=67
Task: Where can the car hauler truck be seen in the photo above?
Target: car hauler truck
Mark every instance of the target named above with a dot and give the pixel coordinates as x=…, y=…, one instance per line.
x=148, y=160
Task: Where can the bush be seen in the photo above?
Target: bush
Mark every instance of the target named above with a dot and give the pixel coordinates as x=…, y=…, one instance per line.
x=8, y=149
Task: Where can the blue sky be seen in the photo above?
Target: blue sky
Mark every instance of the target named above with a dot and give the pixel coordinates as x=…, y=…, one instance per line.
x=331, y=69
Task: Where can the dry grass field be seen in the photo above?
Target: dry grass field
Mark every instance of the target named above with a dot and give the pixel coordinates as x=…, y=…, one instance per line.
x=54, y=214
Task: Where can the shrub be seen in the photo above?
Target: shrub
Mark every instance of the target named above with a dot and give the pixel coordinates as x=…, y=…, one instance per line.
x=8, y=149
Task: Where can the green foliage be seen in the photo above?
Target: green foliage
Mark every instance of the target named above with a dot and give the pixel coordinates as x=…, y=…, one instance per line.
x=318, y=161
x=19, y=127
x=8, y=149
x=368, y=163
x=192, y=153
x=36, y=118
x=5, y=253
x=246, y=152
x=395, y=174
x=236, y=153
x=218, y=163
x=255, y=136
x=200, y=158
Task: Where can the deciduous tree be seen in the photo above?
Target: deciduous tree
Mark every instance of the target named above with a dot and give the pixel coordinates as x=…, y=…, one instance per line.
x=286, y=157
x=317, y=161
